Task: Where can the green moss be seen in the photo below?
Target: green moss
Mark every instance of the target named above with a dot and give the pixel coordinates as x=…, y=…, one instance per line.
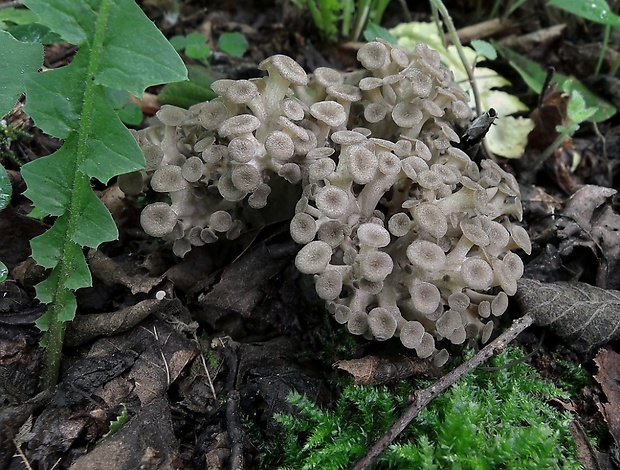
x=489, y=419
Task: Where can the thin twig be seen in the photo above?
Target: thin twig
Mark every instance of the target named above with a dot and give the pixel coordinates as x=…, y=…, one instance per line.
x=423, y=397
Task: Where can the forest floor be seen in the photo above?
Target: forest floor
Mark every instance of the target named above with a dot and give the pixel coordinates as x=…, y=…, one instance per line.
x=239, y=331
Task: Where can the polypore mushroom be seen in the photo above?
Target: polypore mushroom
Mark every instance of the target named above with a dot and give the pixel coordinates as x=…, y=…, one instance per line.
x=158, y=219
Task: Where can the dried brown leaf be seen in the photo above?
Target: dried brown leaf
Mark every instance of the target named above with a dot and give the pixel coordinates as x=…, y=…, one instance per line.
x=373, y=370
x=608, y=376
x=585, y=315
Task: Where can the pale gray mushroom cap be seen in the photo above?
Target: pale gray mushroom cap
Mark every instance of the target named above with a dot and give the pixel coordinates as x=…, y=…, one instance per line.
x=381, y=323
x=158, y=219
x=373, y=55
x=237, y=125
x=330, y=112
x=411, y=334
x=172, y=115
x=168, y=178
x=426, y=255
x=373, y=235
x=313, y=258
x=476, y=273
x=332, y=201
x=375, y=266
x=220, y=221
x=286, y=67
x=328, y=284
x=303, y=228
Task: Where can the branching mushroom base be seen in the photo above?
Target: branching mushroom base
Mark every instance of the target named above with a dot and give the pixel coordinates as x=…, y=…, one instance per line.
x=404, y=235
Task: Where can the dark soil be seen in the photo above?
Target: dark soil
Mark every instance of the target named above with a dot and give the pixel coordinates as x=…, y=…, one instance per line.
x=240, y=328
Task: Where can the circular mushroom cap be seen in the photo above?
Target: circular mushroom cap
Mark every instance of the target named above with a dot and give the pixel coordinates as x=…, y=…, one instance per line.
x=153, y=155
x=458, y=301
x=347, y=137
x=521, y=238
x=220, y=86
x=406, y=114
x=321, y=169
x=430, y=179
x=411, y=334
x=158, y=219
x=241, y=124
x=473, y=231
x=220, y=221
x=279, y=146
x=326, y=76
x=241, y=91
x=375, y=112
x=358, y=322
x=513, y=264
x=291, y=172
x=440, y=359
x=499, y=304
x=303, y=228
x=293, y=109
x=373, y=235
x=373, y=55
x=168, y=178
x=246, y=178
x=399, y=224
x=313, y=258
x=477, y=274
x=389, y=164
x=228, y=190
x=382, y=323
x=132, y=183
x=331, y=232
x=328, y=284
x=426, y=255
x=375, y=266
x=431, y=219
x=258, y=198
x=332, y=201
x=172, y=115
x=212, y=114
x=448, y=322
x=362, y=164
x=432, y=108
x=243, y=149
x=425, y=297
x=192, y=169
x=331, y=113
x=426, y=347
x=421, y=82
x=286, y=67
x=343, y=92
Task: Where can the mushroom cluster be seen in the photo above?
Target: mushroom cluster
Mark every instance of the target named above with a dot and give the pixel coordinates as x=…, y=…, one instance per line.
x=404, y=235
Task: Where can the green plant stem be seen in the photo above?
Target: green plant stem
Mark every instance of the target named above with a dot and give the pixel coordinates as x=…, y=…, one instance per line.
x=363, y=8
x=454, y=37
x=55, y=335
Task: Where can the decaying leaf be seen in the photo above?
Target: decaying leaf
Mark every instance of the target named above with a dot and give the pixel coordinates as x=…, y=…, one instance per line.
x=608, y=363
x=373, y=370
x=583, y=314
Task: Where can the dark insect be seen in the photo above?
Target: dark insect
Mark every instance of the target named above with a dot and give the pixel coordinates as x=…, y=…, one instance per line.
x=476, y=131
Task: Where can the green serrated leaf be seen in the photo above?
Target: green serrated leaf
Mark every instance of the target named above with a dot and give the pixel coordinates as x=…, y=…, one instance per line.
x=484, y=48
x=17, y=16
x=17, y=59
x=131, y=114
x=4, y=272
x=593, y=10
x=136, y=54
x=93, y=222
x=5, y=188
x=50, y=179
x=47, y=247
x=234, y=44
x=112, y=150
x=34, y=32
x=55, y=98
x=196, y=90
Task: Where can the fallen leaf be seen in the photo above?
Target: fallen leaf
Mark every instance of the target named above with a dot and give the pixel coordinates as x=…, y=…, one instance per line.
x=373, y=370
x=584, y=315
x=608, y=363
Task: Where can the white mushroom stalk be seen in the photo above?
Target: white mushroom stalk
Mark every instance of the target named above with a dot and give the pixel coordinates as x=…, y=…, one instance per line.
x=403, y=234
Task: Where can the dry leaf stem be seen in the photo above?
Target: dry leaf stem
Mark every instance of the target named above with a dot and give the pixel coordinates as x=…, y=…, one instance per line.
x=423, y=397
